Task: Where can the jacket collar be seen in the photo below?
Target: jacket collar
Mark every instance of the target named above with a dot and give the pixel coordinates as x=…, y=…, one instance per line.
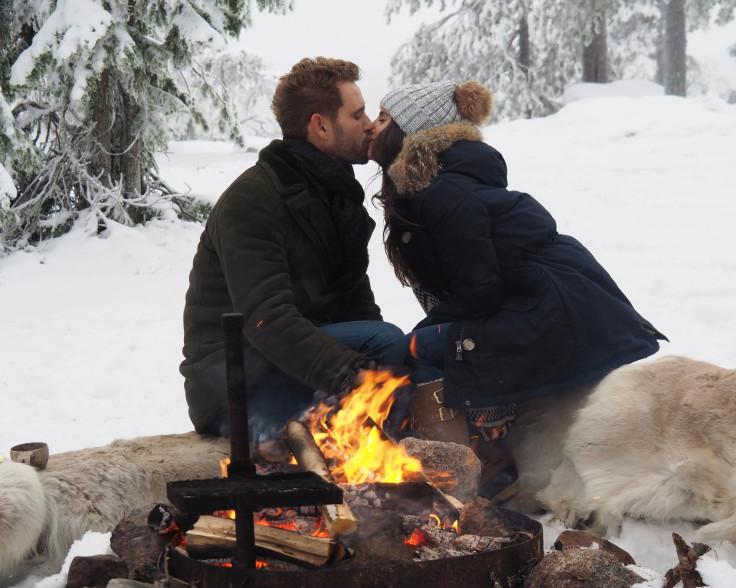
x=417, y=163
x=281, y=168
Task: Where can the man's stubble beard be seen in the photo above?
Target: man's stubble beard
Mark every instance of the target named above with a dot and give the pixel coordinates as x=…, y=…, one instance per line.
x=346, y=151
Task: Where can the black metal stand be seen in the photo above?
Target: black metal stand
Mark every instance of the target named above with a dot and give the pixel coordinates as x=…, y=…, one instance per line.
x=243, y=490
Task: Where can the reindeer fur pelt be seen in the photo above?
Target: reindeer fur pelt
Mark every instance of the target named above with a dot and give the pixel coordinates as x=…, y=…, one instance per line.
x=43, y=512
x=653, y=440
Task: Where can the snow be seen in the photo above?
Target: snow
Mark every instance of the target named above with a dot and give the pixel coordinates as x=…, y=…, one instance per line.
x=92, y=543
x=628, y=88
x=197, y=30
x=92, y=326
x=8, y=191
x=65, y=33
x=708, y=47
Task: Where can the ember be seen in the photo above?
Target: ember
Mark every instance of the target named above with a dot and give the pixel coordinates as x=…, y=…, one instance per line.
x=417, y=538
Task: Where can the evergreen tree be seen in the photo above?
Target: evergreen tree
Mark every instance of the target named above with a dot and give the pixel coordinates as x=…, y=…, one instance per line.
x=98, y=89
x=239, y=80
x=529, y=51
x=678, y=18
x=484, y=41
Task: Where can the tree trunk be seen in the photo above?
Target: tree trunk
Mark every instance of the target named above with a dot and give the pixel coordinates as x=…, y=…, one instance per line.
x=132, y=150
x=595, y=55
x=524, y=44
x=101, y=164
x=675, y=48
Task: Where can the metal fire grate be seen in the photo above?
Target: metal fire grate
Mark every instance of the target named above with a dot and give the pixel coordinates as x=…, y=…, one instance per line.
x=243, y=490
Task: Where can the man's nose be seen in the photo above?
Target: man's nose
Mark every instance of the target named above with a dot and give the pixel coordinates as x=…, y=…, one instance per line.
x=368, y=124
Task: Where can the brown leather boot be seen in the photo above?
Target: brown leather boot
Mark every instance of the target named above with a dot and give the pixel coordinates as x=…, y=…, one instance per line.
x=434, y=421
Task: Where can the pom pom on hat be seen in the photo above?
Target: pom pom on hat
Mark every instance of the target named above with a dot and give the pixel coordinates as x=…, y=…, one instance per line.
x=474, y=102
x=424, y=106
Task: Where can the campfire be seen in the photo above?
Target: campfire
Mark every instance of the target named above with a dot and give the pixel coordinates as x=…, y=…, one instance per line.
x=353, y=504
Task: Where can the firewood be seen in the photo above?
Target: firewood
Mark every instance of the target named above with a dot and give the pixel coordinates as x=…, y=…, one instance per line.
x=214, y=537
x=338, y=518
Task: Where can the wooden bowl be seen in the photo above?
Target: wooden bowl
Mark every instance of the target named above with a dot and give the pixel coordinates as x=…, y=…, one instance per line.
x=34, y=454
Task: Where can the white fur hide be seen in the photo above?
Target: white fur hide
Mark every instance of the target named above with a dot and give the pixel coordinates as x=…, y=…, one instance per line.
x=43, y=512
x=653, y=440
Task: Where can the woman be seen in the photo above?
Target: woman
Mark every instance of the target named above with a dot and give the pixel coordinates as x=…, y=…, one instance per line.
x=514, y=309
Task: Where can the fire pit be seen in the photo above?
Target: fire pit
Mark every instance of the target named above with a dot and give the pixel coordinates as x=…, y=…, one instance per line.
x=246, y=492
x=479, y=569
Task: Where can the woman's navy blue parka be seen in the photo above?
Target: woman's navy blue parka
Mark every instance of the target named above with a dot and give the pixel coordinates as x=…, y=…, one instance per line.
x=533, y=312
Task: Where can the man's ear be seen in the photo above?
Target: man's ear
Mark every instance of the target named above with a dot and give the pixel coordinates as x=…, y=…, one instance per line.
x=319, y=124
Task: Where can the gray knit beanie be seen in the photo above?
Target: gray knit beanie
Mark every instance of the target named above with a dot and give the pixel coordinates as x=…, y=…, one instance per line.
x=423, y=106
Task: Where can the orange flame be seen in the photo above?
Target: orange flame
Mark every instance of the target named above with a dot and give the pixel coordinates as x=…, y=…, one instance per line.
x=352, y=435
x=413, y=345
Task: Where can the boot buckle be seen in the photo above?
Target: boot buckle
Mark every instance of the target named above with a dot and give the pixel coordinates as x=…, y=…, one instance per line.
x=446, y=414
x=438, y=396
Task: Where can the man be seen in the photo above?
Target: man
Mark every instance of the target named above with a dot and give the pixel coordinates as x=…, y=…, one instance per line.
x=286, y=246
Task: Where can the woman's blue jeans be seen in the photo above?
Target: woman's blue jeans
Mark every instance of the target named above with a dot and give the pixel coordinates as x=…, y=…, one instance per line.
x=427, y=352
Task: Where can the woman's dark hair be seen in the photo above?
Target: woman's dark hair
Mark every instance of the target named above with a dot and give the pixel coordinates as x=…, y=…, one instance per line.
x=386, y=147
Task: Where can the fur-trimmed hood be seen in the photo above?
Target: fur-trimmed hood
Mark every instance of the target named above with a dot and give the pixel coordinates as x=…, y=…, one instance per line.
x=418, y=161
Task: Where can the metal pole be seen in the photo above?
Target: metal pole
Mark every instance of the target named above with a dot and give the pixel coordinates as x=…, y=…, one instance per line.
x=241, y=462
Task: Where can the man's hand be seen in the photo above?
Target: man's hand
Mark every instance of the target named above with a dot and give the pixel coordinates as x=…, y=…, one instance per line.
x=359, y=378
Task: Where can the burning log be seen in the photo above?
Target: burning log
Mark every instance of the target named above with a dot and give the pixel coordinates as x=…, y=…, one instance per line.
x=214, y=537
x=338, y=518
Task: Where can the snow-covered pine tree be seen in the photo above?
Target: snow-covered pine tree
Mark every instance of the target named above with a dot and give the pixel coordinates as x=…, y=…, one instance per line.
x=529, y=51
x=679, y=17
x=526, y=51
x=485, y=41
x=97, y=89
x=16, y=150
x=239, y=78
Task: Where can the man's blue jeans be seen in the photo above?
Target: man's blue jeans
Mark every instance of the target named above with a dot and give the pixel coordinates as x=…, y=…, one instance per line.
x=278, y=398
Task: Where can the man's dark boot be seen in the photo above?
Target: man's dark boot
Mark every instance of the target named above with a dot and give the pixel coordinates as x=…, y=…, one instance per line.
x=432, y=420
x=498, y=475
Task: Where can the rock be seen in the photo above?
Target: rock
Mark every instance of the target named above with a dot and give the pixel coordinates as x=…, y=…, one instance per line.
x=576, y=539
x=95, y=571
x=581, y=568
x=139, y=545
x=438, y=458
x=480, y=517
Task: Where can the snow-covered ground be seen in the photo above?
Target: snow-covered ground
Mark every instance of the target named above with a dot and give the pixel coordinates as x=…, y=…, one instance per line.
x=91, y=327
